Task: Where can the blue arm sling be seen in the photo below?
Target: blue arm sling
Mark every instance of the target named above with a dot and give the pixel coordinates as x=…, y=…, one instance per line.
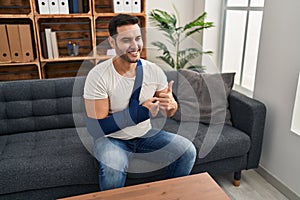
x=130, y=116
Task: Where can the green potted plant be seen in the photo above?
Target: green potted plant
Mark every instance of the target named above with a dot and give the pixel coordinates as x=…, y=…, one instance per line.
x=170, y=25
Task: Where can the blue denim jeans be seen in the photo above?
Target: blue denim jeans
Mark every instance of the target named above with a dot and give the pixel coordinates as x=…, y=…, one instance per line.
x=175, y=151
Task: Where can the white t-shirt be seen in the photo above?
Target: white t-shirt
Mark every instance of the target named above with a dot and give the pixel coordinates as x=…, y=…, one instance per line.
x=103, y=81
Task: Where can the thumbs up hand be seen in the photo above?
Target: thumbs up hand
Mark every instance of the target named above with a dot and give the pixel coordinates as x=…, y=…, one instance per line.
x=167, y=103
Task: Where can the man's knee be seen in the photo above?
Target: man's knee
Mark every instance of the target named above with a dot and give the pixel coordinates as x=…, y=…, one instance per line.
x=186, y=146
x=110, y=155
x=191, y=151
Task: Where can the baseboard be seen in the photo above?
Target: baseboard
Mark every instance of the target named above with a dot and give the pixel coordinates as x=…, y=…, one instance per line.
x=290, y=194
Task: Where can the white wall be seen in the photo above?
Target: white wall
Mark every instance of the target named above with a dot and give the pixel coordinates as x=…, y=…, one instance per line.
x=188, y=10
x=212, y=36
x=276, y=81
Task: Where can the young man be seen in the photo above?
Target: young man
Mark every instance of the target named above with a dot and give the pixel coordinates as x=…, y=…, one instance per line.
x=120, y=123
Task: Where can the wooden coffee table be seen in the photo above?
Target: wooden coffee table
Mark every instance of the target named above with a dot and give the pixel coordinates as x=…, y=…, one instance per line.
x=192, y=187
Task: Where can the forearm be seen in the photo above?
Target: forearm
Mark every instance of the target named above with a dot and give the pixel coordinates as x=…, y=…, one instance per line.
x=117, y=121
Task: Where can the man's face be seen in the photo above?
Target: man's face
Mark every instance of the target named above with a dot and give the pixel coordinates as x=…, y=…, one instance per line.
x=129, y=43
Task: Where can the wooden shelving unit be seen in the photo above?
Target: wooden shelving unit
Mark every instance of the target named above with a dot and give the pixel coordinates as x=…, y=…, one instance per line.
x=88, y=29
x=20, y=12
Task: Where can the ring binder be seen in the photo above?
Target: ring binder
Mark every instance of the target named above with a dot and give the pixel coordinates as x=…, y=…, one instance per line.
x=14, y=42
x=26, y=42
x=4, y=47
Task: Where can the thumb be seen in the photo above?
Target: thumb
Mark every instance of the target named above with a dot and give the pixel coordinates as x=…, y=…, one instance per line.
x=170, y=85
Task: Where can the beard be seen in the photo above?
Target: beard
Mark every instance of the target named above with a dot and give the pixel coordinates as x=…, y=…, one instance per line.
x=125, y=57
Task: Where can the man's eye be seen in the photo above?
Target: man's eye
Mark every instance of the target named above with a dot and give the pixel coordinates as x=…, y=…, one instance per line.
x=126, y=40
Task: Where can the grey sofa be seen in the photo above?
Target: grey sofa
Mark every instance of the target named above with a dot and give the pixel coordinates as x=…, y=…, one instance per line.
x=44, y=145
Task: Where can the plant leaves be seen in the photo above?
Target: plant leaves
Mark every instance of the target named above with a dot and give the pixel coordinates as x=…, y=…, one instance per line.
x=166, y=57
x=202, y=25
x=187, y=55
x=166, y=22
x=196, y=22
x=198, y=68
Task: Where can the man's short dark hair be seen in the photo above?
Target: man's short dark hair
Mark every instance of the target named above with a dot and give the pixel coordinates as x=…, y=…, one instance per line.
x=121, y=20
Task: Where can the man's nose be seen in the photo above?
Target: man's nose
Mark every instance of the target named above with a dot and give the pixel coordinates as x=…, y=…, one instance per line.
x=134, y=44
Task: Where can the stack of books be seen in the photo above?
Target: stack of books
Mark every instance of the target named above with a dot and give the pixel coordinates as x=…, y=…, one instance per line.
x=49, y=44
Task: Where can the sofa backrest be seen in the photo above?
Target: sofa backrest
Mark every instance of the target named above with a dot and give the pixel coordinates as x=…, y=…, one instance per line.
x=34, y=105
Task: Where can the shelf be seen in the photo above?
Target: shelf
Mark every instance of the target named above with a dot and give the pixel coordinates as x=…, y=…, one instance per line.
x=88, y=28
x=115, y=14
x=18, y=63
x=68, y=58
x=19, y=72
x=14, y=7
x=17, y=41
x=52, y=16
x=73, y=29
x=67, y=68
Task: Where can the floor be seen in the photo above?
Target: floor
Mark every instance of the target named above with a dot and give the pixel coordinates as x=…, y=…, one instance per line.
x=253, y=187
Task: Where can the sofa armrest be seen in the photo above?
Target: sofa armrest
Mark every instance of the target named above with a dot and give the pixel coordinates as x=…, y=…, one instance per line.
x=248, y=115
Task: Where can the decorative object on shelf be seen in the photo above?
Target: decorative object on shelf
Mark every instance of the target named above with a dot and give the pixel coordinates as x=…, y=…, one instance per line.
x=73, y=48
x=176, y=34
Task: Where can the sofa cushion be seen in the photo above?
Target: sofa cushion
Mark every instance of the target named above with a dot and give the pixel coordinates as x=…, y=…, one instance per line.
x=214, y=142
x=204, y=97
x=35, y=105
x=41, y=159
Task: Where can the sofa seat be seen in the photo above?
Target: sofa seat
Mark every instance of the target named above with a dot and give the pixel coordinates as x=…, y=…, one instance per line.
x=221, y=141
x=230, y=143
x=28, y=158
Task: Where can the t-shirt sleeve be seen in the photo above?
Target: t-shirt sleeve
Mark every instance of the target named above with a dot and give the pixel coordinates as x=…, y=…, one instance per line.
x=162, y=82
x=94, y=87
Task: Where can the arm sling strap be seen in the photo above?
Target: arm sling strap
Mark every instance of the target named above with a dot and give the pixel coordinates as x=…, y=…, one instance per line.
x=130, y=116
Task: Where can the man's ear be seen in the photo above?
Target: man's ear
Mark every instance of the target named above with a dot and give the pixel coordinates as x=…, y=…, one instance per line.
x=112, y=42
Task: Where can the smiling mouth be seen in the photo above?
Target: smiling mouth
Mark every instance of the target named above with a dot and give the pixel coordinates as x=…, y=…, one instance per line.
x=134, y=53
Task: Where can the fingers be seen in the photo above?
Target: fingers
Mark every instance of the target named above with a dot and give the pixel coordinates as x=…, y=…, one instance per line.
x=170, y=85
x=154, y=107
